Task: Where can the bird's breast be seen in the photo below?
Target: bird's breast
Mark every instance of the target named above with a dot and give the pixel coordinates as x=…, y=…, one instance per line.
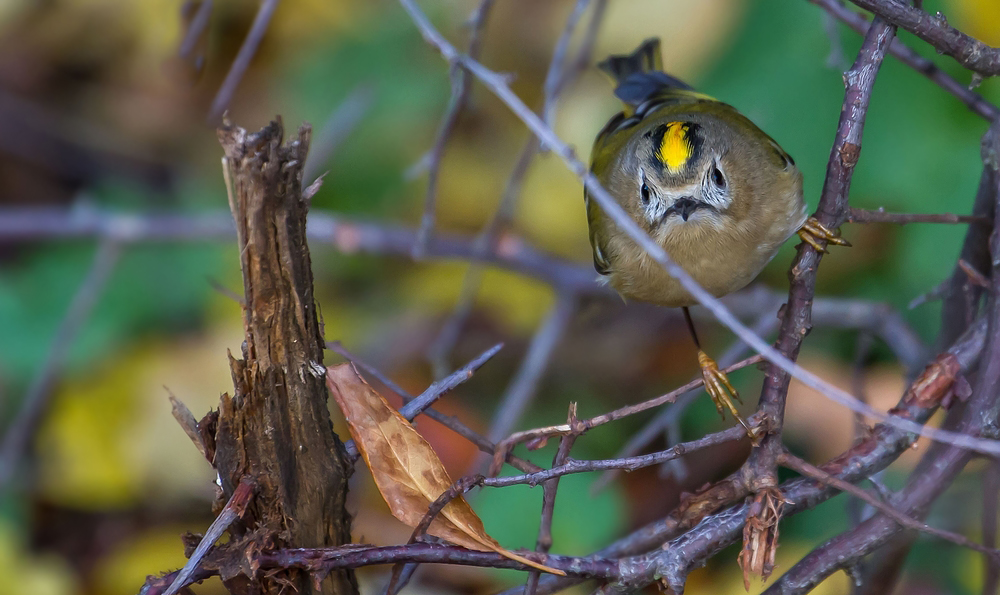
x=721, y=258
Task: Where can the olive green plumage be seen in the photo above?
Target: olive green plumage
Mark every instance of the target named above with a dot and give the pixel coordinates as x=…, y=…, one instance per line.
x=716, y=192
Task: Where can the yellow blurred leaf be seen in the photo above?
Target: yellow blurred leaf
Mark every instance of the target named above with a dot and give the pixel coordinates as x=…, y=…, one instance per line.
x=723, y=576
x=109, y=440
x=516, y=301
x=126, y=567
x=979, y=18
x=691, y=33
x=407, y=471
x=46, y=574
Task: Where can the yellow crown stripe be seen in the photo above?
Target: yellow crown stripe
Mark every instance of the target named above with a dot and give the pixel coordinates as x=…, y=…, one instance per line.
x=676, y=148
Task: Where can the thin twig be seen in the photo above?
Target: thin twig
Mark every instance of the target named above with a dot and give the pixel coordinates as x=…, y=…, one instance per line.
x=572, y=466
x=243, y=58
x=667, y=398
x=461, y=86
x=504, y=446
x=862, y=351
x=324, y=559
x=558, y=76
x=544, y=541
x=557, y=79
x=975, y=277
x=498, y=85
x=457, y=489
x=188, y=423
x=159, y=585
x=397, y=580
x=39, y=394
x=450, y=422
x=975, y=102
x=638, y=441
x=338, y=348
x=856, y=215
x=339, y=125
x=961, y=298
x=436, y=390
x=484, y=242
x=522, y=388
x=232, y=511
x=444, y=342
x=786, y=459
x=196, y=28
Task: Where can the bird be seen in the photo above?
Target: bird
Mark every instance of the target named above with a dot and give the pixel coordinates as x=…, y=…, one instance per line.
x=712, y=189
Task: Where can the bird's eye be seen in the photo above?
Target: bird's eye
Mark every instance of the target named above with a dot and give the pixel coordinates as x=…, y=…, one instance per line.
x=644, y=193
x=717, y=178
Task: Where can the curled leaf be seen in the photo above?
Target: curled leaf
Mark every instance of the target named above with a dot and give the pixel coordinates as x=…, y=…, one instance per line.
x=407, y=471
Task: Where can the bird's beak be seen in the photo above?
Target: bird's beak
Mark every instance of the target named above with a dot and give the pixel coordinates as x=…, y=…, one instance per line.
x=684, y=206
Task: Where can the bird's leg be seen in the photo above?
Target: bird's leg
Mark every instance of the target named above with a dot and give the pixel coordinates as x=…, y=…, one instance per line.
x=717, y=385
x=818, y=236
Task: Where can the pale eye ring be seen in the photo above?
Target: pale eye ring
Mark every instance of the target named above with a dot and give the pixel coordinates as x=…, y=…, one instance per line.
x=644, y=193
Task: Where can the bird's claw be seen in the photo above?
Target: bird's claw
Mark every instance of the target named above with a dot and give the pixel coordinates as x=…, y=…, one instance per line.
x=718, y=387
x=818, y=236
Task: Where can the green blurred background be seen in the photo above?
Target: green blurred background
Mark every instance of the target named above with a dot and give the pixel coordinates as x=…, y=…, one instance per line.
x=98, y=110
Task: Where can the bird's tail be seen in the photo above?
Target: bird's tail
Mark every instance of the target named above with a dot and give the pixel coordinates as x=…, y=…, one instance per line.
x=639, y=76
x=646, y=58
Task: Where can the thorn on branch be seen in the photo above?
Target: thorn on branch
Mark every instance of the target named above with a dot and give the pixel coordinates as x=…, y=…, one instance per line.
x=978, y=279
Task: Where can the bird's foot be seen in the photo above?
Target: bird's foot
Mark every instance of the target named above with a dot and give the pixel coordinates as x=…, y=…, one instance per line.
x=718, y=387
x=818, y=236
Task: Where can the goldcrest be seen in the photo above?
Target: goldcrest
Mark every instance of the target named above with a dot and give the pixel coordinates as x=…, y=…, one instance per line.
x=710, y=187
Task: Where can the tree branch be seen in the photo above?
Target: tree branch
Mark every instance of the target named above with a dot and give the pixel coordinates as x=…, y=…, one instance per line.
x=941, y=464
x=674, y=549
x=276, y=428
x=935, y=30
x=974, y=101
x=761, y=469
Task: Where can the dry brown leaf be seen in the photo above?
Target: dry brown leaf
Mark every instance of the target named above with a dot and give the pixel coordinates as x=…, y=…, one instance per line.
x=760, y=535
x=407, y=471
